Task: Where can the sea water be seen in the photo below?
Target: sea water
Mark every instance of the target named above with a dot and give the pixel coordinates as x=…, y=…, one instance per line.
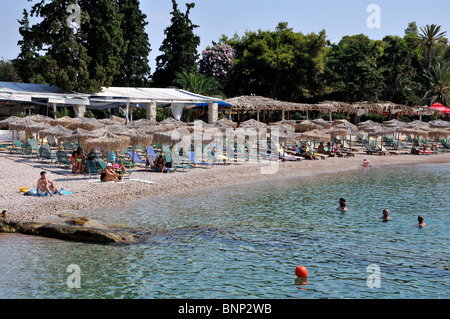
x=246, y=241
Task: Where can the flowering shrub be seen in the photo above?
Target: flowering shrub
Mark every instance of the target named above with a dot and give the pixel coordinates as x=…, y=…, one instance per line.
x=217, y=62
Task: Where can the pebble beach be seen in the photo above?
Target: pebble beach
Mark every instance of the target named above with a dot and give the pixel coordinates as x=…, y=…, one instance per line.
x=89, y=193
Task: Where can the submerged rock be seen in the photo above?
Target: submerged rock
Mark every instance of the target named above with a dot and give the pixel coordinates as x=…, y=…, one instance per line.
x=67, y=232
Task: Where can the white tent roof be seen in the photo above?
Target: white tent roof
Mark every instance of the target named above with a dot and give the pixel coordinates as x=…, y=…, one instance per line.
x=108, y=97
x=148, y=95
x=26, y=92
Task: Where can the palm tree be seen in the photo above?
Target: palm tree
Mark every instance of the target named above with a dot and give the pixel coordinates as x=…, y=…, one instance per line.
x=439, y=77
x=199, y=84
x=429, y=38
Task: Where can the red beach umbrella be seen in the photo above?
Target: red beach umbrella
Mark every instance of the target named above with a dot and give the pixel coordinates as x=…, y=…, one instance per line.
x=440, y=107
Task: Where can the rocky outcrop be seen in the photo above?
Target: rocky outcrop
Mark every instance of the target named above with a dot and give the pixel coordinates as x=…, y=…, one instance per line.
x=67, y=232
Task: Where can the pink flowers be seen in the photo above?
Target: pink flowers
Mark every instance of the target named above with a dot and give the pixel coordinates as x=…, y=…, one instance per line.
x=217, y=62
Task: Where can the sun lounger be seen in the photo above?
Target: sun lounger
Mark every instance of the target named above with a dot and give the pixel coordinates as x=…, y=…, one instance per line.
x=136, y=159
x=46, y=154
x=197, y=163
x=370, y=150
x=91, y=168
x=62, y=159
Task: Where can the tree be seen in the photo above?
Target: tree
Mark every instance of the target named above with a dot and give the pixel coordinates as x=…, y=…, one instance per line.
x=199, y=84
x=398, y=73
x=135, y=70
x=179, y=48
x=352, y=70
x=280, y=64
x=103, y=38
x=217, y=62
x=65, y=60
x=439, y=77
x=84, y=58
x=430, y=37
x=25, y=60
x=8, y=72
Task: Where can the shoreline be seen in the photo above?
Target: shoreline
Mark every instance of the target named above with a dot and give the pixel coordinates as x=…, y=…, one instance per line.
x=88, y=193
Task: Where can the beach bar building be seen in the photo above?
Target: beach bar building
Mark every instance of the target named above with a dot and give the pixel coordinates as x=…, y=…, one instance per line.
x=109, y=98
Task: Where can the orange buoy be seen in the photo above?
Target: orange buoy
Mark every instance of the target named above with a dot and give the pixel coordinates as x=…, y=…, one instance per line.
x=301, y=271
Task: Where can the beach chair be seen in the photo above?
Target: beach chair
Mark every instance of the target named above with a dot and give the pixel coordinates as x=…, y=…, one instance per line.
x=92, y=168
x=370, y=150
x=102, y=164
x=196, y=163
x=62, y=159
x=46, y=154
x=152, y=154
x=176, y=166
x=135, y=158
x=16, y=147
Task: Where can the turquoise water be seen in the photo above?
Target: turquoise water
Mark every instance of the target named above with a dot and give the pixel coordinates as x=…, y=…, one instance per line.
x=246, y=241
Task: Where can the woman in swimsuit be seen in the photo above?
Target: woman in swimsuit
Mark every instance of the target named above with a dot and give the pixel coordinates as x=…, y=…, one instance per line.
x=79, y=157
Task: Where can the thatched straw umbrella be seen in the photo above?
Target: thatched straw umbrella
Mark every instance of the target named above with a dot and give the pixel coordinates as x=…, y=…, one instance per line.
x=439, y=124
x=59, y=132
x=81, y=135
x=36, y=128
x=368, y=123
x=63, y=121
x=307, y=126
x=322, y=122
x=225, y=124
x=88, y=124
x=107, y=142
x=379, y=132
x=316, y=136
x=41, y=118
x=254, y=104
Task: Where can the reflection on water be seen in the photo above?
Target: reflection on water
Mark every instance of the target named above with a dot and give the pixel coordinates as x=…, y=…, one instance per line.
x=246, y=241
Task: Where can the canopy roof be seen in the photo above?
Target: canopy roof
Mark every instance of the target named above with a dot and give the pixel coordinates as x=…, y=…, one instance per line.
x=142, y=96
x=39, y=94
x=107, y=98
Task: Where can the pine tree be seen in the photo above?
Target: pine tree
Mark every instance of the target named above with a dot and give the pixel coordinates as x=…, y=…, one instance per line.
x=24, y=61
x=83, y=58
x=179, y=48
x=104, y=41
x=135, y=70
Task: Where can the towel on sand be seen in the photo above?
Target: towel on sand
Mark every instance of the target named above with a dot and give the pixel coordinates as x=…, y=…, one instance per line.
x=33, y=192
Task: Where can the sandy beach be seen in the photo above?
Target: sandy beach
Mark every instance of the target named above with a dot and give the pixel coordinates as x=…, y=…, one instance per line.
x=89, y=193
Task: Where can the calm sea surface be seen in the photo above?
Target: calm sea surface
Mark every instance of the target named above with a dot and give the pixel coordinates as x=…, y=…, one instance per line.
x=246, y=241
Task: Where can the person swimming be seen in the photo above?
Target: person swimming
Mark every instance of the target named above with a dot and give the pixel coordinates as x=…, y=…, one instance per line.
x=421, y=222
x=342, y=205
x=366, y=163
x=385, y=217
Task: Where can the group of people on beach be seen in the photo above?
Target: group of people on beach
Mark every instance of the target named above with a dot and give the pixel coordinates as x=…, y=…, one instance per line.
x=385, y=217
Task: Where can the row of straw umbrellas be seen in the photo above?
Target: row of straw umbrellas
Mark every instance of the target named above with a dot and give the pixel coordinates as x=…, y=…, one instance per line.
x=114, y=135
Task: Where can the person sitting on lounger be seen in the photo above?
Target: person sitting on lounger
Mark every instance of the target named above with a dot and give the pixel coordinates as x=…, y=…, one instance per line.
x=159, y=163
x=46, y=186
x=109, y=175
x=321, y=148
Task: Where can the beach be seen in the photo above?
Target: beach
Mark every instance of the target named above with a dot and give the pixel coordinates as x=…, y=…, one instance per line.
x=88, y=193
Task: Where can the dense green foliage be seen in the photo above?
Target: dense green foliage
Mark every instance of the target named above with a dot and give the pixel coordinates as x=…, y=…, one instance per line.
x=89, y=56
x=179, y=48
x=135, y=69
x=111, y=47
